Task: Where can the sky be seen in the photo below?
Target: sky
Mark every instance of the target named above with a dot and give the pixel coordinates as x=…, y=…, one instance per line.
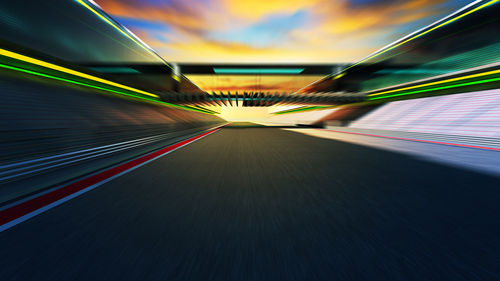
x=272, y=31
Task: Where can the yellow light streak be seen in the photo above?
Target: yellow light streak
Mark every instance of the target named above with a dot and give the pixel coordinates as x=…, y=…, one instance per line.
x=176, y=78
x=52, y=66
x=423, y=33
x=339, y=76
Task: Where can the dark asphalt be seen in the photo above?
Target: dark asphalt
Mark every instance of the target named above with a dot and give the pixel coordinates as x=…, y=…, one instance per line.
x=267, y=204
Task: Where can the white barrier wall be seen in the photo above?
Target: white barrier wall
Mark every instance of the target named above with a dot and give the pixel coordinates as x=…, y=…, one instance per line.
x=468, y=114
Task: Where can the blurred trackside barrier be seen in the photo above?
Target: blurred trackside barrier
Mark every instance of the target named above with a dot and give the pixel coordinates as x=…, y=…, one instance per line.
x=42, y=118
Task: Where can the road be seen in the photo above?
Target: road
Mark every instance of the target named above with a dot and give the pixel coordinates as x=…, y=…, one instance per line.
x=268, y=204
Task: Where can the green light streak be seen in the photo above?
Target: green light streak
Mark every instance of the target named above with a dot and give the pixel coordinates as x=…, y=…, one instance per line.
x=101, y=88
x=437, y=88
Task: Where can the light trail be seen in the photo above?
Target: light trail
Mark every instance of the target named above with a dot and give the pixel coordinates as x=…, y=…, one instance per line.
x=52, y=66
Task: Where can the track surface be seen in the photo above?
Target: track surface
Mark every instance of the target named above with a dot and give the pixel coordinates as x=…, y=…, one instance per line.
x=268, y=204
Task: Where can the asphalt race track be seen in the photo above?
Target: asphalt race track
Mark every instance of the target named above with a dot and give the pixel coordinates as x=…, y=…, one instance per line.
x=263, y=203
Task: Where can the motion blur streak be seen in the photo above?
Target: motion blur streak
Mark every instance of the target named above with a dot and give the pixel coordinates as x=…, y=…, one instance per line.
x=417, y=140
x=203, y=221
x=133, y=37
x=16, y=56
x=105, y=89
x=388, y=172
x=440, y=88
x=445, y=81
x=31, y=208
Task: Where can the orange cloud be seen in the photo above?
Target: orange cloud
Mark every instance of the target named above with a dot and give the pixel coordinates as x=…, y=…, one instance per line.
x=342, y=19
